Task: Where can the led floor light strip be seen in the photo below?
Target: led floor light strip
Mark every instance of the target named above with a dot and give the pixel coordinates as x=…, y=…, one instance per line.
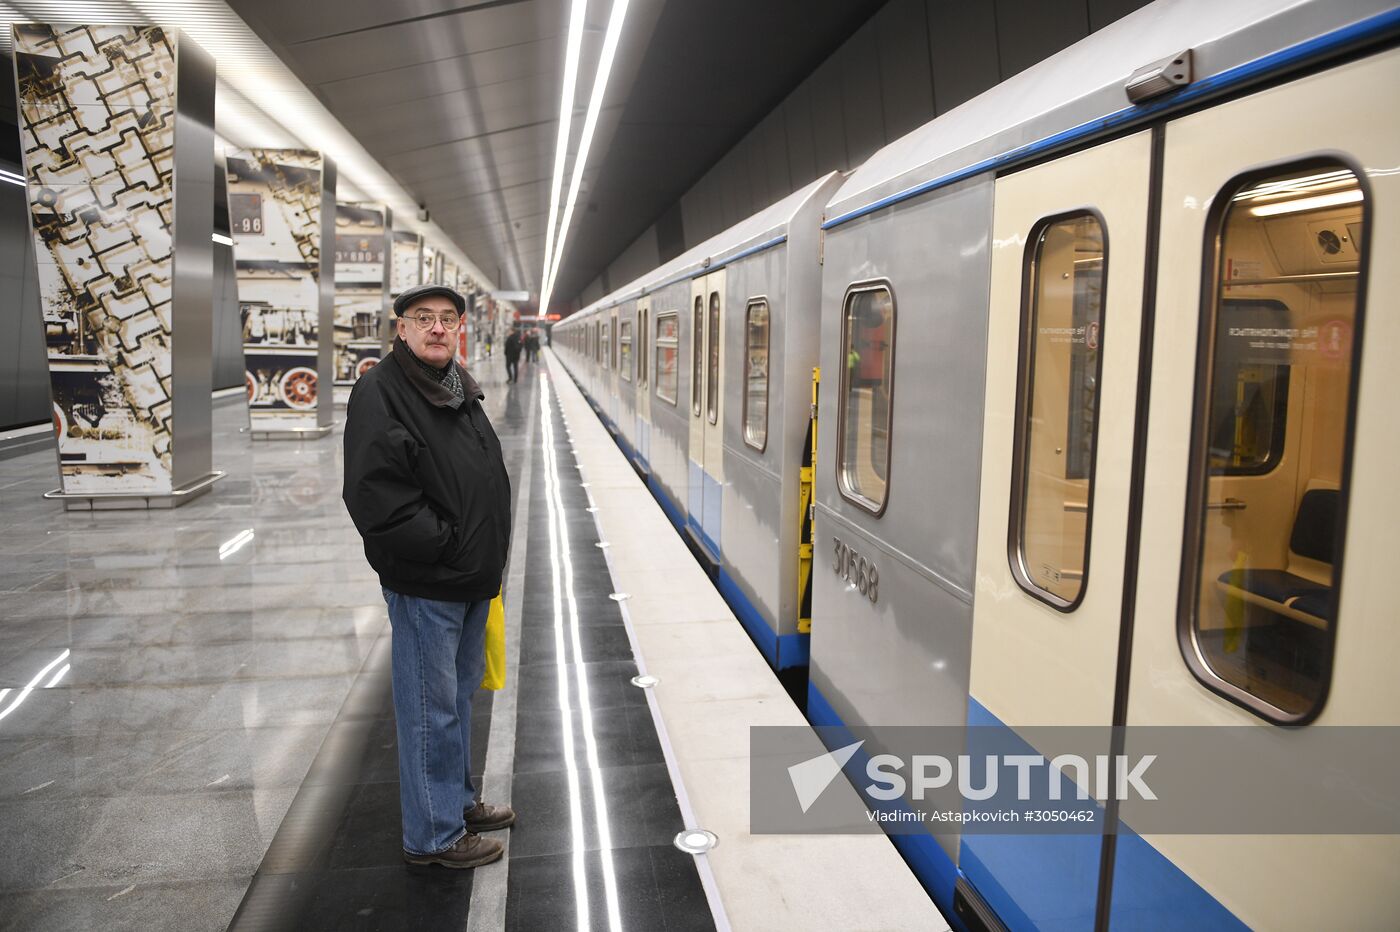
x=566, y=728
x=561, y=560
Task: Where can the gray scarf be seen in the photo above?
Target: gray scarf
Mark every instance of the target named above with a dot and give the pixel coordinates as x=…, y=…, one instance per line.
x=447, y=378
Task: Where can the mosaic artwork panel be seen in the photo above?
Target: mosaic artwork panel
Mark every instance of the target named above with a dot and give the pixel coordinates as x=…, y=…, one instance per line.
x=97, y=128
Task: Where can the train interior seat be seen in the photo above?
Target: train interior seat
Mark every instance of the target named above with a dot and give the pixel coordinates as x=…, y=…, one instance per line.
x=1303, y=589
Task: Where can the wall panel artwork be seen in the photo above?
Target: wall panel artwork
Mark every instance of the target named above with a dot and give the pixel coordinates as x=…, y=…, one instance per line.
x=102, y=110
x=361, y=292
x=408, y=262
x=277, y=198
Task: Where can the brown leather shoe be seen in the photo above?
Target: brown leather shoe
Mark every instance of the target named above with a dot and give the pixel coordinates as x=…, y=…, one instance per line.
x=471, y=850
x=484, y=818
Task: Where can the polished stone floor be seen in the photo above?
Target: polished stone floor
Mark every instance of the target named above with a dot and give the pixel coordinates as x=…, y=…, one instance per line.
x=209, y=736
x=141, y=787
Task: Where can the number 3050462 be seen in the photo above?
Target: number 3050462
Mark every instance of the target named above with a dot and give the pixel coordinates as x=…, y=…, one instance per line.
x=856, y=570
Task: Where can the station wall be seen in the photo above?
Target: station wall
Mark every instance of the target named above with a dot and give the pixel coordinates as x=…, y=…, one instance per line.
x=913, y=60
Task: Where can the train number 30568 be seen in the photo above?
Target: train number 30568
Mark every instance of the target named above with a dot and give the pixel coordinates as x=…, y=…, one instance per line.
x=856, y=570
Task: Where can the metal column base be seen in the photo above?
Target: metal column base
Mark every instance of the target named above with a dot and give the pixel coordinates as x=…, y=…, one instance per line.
x=287, y=433
x=126, y=501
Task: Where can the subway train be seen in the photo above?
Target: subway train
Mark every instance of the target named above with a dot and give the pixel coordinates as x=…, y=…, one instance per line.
x=1068, y=408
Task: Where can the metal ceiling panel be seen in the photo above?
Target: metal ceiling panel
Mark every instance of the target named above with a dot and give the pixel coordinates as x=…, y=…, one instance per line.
x=459, y=100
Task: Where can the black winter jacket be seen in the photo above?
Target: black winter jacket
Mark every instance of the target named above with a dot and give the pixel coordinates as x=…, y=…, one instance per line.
x=425, y=483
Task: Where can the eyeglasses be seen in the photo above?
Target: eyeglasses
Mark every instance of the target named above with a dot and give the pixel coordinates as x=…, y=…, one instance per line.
x=449, y=320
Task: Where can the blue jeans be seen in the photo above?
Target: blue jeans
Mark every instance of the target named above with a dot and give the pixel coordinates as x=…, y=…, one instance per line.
x=438, y=660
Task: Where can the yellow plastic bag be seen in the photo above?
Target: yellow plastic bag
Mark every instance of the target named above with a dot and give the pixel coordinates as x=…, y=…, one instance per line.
x=495, y=675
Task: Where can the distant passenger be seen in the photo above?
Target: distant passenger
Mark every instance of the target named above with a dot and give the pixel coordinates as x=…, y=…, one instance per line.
x=427, y=488
x=488, y=345
x=532, y=346
x=513, y=356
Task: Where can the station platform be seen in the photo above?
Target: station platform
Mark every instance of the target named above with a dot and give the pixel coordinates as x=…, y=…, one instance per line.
x=198, y=729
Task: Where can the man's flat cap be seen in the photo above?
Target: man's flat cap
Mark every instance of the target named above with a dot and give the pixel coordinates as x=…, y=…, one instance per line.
x=404, y=301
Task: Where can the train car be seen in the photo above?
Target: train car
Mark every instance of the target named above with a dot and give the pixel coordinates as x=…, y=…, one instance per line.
x=1108, y=302
x=1126, y=300
x=709, y=393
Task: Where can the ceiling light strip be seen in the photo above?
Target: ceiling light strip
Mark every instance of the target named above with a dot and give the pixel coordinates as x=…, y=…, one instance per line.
x=577, y=12
x=590, y=124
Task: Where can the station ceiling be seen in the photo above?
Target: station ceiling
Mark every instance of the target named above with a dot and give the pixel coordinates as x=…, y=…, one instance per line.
x=460, y=102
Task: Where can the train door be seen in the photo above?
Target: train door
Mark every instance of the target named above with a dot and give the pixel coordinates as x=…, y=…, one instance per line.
x=706, y=465
x=1274, y=430
x=643, y=354
x=1069, y=240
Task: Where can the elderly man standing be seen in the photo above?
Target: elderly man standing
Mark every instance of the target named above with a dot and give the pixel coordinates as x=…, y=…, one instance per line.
x=427, y=488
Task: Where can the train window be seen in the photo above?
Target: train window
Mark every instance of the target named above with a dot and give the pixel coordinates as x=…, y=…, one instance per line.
x=625, y=350
x=668, y=328
x=607, y=346
x=1249, y=408
x=1266, y=512
x=712, y=377
x=756, y=375
x=642, y=321
x=616, y=363
x=697, y=352
x=867, y=389
x=1057, y=401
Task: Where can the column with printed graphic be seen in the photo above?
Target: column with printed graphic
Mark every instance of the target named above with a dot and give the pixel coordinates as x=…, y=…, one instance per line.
x=407, y=263
x=432, y=264
x=361, y=291
x=281, y=206
x=117, y=133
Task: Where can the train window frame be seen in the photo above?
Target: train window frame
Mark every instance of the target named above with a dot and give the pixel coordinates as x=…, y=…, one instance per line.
x=863, y=502
x=758, y=301
x=697, y=354
x=1198, y=472
x=624, y=349
x=673, y=342
x=1025, y=386
x=713, y=351
x=607, y=344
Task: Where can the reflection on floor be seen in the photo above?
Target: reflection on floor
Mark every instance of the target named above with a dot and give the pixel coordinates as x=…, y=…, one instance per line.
x=211, y=704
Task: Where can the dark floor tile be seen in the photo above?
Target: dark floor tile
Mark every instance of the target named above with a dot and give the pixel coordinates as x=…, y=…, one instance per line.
x=657, y=889
x=390, y=897
x=641, y=806
x=599, y=642
x=609, y=686
x=623, y=736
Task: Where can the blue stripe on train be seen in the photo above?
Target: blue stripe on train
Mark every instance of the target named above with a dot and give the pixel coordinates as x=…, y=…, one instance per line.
x=931, y=865
x=1050, y=882
x=781, y=652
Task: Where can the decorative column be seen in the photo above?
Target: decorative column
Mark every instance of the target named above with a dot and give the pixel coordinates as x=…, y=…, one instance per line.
x=361, y=292
x=408, y=263
x=117, y=128
x=432, y=264
x=281, y=207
